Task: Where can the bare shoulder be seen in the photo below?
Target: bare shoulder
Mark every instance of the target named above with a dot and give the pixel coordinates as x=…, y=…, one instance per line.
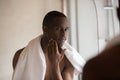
x=15, y=57
x=67, y=63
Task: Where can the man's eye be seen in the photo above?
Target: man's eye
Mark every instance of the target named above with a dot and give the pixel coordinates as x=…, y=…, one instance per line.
x=66, y=29
x=57, y=28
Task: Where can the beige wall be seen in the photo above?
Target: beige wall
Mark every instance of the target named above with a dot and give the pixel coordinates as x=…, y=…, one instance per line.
x=20, y=21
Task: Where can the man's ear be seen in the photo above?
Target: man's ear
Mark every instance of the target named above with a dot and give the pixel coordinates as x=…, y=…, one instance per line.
x=45, y=29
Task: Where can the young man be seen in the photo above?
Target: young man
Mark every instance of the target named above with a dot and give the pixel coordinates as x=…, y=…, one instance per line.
x=105, y=66
x=49, y=56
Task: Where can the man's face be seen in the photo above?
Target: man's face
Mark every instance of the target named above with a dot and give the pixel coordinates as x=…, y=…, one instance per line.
x=58, y=30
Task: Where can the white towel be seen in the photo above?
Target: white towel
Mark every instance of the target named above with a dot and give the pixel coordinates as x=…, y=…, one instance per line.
x=32, y=65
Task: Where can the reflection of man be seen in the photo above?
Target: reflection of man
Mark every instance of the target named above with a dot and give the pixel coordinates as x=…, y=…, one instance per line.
x=105, y=66
x=43, y=58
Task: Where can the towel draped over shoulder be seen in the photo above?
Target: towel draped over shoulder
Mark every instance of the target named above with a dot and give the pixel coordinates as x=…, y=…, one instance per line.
x=32, y=65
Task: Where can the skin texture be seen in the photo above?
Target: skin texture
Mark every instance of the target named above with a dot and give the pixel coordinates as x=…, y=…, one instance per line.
x=54, y=36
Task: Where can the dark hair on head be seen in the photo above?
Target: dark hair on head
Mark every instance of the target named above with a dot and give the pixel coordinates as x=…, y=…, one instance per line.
x=50, y=16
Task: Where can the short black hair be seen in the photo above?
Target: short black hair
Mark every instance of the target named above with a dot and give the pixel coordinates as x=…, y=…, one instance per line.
x=50, y=16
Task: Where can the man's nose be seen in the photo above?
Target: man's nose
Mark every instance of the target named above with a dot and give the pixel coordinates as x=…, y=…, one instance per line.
x=63, y=32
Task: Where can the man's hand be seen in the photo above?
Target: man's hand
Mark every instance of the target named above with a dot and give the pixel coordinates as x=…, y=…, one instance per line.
x=54, y=55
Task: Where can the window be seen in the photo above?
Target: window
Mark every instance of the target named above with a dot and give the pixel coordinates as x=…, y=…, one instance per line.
x=93, y=23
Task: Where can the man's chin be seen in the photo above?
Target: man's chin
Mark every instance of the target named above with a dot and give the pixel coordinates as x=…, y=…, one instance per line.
x=60, y=45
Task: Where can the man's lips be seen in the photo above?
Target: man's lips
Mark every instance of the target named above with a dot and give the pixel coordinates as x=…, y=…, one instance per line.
x=62, y=40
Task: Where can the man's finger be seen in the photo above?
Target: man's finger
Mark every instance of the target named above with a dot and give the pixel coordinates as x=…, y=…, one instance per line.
x=63, y=51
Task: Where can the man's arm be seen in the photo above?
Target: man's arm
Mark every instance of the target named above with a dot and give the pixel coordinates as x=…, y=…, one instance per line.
x=16, y=57
x=56, y=73
x=68, y=72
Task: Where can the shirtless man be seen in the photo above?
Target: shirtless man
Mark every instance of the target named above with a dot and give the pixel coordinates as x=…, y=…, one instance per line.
x=55, y=29
x=54, y=34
